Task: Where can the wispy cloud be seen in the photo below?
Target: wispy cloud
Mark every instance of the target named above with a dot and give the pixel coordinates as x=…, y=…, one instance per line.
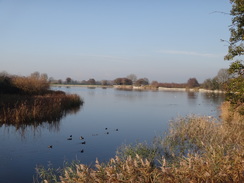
x=190, y=53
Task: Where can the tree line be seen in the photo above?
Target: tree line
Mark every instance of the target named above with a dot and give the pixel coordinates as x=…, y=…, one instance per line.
x=38, y=83
x=218, y=82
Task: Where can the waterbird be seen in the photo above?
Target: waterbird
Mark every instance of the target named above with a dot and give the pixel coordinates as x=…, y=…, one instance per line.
x=83, y=142
x=81, y=137
x=50, y=146
x=106, y=128
x=107, y=133
x=117, y=129
x=82, y=150
x=70, y=138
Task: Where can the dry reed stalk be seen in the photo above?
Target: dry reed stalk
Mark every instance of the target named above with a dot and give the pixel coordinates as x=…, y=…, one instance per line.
x=232, y=115
x=38, y=108
x=203, y=150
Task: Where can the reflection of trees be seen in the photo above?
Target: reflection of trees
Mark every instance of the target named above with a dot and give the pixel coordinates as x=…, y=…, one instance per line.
x=191, y=95
x=216, y=98
x=129, y=94
x=125, y=89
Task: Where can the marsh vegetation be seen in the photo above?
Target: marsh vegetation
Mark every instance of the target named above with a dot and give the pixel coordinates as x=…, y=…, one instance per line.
x=196, y=149
x=29, y=99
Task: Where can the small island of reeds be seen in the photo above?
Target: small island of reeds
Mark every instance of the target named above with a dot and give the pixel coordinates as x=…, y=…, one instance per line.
x=29, y=99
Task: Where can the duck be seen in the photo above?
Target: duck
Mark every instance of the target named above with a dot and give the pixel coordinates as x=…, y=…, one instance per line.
x=106, y=128
x=117, y=129
x=81, y=137
x=82, y=150
x=70, y=138
x=50, y=146
x=83, y=142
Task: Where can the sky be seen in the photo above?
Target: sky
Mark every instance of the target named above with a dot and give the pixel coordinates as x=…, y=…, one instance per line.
x=162, y=40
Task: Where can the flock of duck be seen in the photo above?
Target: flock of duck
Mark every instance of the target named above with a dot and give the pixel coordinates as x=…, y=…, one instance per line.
x=82, y=138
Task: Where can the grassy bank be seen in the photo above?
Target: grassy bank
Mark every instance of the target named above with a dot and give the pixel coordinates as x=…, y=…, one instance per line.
x=37, y=108
x=196, y=149
x=29, y=100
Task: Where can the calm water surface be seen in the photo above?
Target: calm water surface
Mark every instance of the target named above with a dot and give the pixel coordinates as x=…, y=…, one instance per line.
x=138, y=116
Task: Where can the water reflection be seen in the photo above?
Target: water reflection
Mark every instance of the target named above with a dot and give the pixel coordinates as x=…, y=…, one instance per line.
x=191, y=95
x=50, y=122
x=216, y=98
x=130, y=95
x=138, y=116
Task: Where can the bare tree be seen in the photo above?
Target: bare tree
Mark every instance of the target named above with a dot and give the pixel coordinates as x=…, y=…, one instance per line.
x=91, y=82
x=223, y=76
x=122, y=81
x=132, y=77
x=104, y=82
x=35, y=75
x=68, y=80
x=142, y=81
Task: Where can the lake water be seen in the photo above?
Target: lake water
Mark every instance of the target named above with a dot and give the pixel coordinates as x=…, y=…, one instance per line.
x=138, y=115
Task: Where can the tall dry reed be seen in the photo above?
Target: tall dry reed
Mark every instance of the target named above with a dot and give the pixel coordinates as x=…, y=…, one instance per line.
x=232, y=115
x=198, y=149
x=37, y=108
x=31, y=84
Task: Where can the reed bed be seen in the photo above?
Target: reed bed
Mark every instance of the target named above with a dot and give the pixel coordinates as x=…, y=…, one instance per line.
x=232, y=114
x=196, y=149
x=29, y=100
x=37, y=108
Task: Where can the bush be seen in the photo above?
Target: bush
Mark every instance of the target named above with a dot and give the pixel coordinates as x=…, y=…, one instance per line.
x=31, y=85
x=6, y=85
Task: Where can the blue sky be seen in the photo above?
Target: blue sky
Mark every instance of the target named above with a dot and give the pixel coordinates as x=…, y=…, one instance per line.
x=167, y=41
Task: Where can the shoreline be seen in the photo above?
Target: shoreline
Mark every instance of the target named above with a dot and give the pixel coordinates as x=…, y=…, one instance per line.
x=131, y=87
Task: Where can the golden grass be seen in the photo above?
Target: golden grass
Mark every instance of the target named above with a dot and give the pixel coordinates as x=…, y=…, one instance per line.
x=206, y=151
x=29, y=100
x=31, y=85
x=36, y=108
x=230, y=114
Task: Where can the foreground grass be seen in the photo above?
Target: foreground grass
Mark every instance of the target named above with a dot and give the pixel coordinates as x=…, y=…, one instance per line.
x=196, y=149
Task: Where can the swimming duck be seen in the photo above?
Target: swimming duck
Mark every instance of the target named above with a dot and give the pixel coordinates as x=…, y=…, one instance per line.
x=70, y=138
x=50, y=146
x=83, y=142
x=81, y=137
